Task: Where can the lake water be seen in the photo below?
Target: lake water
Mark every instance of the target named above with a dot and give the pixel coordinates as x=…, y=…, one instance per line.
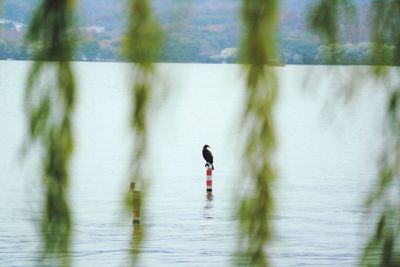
x=326, y=161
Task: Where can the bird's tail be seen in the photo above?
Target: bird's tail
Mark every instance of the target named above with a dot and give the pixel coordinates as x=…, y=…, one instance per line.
x=209, y=164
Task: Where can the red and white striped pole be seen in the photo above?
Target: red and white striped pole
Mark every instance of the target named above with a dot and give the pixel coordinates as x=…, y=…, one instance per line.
x=209, y=178
x=136, y=203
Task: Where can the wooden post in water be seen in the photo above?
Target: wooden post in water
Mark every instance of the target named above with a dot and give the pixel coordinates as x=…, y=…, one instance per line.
x=136, y=203
x=209, y=178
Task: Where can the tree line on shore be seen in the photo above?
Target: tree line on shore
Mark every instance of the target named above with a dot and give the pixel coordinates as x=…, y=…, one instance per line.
x=293, y=51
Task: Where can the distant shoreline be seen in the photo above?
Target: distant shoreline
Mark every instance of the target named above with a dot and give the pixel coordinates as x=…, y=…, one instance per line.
x=213, y=63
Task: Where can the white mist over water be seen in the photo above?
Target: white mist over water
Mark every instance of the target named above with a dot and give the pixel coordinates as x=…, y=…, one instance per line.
x=326, y=161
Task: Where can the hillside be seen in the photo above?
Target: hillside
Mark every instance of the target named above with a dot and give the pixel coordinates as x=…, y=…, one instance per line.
x=194, y=31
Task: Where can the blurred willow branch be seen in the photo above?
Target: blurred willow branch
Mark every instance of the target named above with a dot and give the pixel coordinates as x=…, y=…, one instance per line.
x=383, y=247
x=385, y=30
x=324, y=19
x=142, y=46
x=255, y=211
x=383, y=202
x=49, y=103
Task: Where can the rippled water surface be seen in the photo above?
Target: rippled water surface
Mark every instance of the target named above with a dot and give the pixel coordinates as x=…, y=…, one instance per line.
x=326, y=161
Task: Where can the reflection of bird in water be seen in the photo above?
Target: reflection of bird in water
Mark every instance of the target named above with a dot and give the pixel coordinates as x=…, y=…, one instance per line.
x=208, y=156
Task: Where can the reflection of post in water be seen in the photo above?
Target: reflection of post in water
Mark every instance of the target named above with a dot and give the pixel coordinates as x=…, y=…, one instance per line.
x=209, y=200
x=208, y=208
x=137, y=231
x=137, y=237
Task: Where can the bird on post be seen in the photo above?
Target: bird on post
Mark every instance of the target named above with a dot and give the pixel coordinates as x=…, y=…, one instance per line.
x=208, y=157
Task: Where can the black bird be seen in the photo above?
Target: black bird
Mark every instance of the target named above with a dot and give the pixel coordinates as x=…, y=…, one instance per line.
x=208, y=156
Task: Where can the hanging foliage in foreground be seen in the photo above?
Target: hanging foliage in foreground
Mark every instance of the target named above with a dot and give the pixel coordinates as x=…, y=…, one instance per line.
x=49, y=104
x=258, y=51
x=141, y=47
x=325, y=19
x=383, y=247
x=383, y=203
